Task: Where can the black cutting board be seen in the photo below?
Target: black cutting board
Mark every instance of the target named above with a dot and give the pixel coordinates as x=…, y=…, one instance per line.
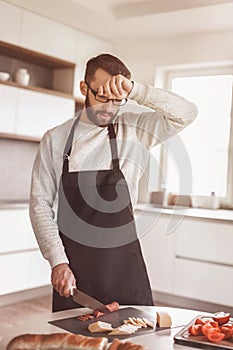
x=116, y=318
x=201, y=342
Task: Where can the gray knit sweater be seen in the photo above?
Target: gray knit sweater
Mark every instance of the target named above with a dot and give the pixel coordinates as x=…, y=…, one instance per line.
x=137, y=132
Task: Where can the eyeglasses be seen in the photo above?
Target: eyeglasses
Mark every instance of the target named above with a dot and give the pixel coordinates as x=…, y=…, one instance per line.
x=104, y=99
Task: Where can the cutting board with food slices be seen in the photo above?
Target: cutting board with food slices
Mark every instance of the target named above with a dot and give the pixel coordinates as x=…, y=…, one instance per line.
x=116, y=319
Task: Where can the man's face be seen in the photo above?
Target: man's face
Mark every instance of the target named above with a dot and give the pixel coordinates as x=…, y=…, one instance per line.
x=99, y=113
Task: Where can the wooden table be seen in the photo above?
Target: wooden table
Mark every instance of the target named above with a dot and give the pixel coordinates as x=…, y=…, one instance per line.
x=162, y=340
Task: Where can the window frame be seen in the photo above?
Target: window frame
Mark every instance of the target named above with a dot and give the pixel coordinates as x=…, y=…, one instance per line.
x=163, y=79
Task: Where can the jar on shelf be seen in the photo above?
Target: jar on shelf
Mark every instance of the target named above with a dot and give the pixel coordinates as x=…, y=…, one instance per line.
x=22, y=76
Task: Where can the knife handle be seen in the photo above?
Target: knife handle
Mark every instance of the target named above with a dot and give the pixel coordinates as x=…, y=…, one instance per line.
x=72, y=290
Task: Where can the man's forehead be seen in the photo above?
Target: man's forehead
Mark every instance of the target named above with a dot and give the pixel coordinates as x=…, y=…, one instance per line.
x=100, y=77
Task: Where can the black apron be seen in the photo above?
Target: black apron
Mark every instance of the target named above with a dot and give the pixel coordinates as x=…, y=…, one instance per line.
x=97, y=228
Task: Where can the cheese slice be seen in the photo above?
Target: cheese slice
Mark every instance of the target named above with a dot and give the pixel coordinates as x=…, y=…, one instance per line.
x=124, y=329
x=163, y=319
x=141, y=322
x=132, y=322
x=149, y=323
x=99, y=326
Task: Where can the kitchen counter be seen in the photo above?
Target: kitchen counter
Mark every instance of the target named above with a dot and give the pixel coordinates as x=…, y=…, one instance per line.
x=212, y=214
x=158, y=340
x=14, y=204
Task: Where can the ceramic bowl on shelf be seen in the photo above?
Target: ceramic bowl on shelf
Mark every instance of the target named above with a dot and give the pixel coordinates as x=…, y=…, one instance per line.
x=4, y=76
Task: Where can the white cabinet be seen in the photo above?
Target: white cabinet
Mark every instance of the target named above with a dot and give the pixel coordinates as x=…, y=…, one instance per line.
x=32, y=113
x=205, y=240
x=38, y=112
x=21, y=263
x=158, y=249
x=204, y=281
x=16, y=231
x=44, y=35
x=21, y=271
x=10, y=23
x=8, y=104
x=203, y=267
x=193, y=261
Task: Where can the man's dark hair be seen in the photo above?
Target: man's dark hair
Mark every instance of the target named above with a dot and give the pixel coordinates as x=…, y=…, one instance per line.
x=107, y=62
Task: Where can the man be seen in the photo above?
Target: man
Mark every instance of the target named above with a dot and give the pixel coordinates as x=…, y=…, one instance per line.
x=90, y=167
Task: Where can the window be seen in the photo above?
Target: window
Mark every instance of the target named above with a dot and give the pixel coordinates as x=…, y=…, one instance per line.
x=207, y=141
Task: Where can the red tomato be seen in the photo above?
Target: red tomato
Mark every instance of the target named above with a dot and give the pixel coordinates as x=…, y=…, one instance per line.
x=206, y=327
x=215, y=335
x=195, y=329
x=221, y=317
x=227, y=331
x=228, y=325
x=205, y=320
x=199, y=321
x=214, y=324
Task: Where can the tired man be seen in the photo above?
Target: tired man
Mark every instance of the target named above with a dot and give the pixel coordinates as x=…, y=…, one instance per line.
x=85, y=181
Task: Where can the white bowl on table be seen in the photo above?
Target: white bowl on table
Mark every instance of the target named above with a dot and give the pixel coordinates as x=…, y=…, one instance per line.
x=4, y=76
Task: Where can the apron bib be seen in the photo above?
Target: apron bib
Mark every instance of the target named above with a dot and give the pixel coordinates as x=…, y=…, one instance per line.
x=97, y=228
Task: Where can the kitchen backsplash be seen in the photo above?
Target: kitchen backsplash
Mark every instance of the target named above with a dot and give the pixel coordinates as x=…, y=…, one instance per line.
x=16, y=161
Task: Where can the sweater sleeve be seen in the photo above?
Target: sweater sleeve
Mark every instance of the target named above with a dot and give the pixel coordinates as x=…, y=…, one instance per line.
x=42, y=197
x=171, y=113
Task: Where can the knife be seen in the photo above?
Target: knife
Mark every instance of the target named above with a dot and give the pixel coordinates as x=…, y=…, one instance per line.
x=87, y=301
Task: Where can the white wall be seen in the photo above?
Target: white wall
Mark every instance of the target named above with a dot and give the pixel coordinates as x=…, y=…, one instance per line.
x=143, y=56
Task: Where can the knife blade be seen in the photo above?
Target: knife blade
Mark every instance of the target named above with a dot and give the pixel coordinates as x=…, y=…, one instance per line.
x=87, y=301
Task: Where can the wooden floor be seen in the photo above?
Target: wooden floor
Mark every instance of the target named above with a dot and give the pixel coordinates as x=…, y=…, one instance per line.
x=16, y=313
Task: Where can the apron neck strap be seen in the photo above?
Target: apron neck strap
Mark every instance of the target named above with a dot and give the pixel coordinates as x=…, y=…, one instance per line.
x=112, y=140
x=69, y=141
x=113, y=144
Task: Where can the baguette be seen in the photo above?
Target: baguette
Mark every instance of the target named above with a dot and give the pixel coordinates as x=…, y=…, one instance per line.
x=119, y=345
x=57, y=341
